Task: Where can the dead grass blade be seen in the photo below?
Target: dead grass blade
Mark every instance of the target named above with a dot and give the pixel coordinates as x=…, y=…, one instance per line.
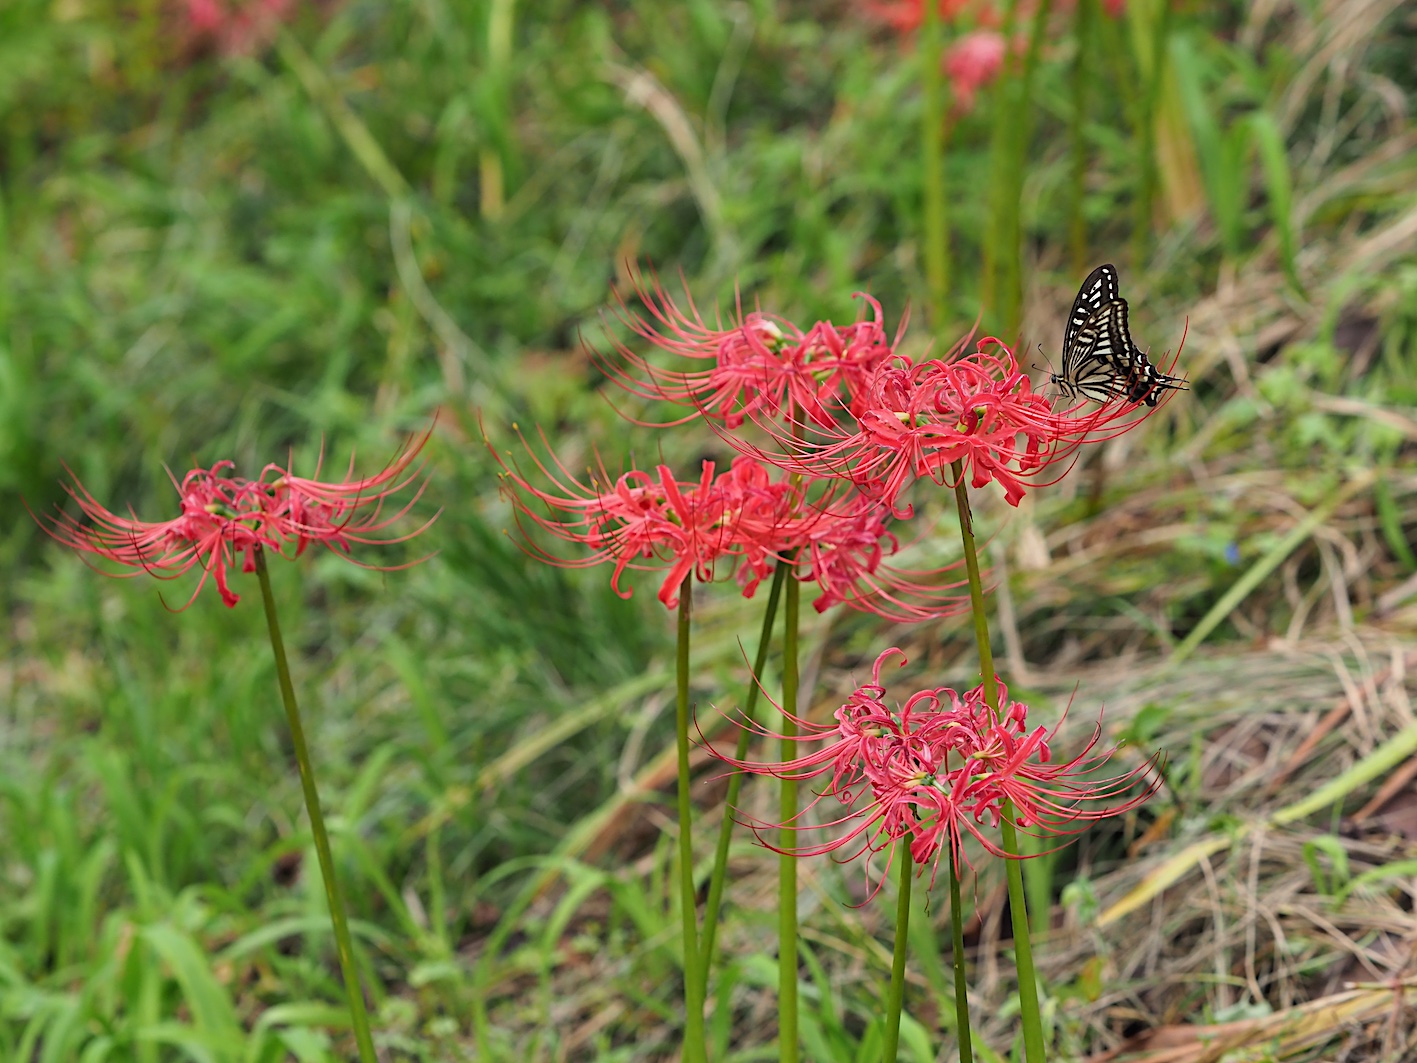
x=1279, y=1036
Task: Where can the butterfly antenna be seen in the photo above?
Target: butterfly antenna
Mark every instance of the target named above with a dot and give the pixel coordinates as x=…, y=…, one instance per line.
x=1038, y=368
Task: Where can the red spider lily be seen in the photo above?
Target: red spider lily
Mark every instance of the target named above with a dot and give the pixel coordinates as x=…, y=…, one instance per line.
x=739, y=522
x=941, y=768
x=643, y=521
x=760, y=365
x=869, y=750
x=225, y=517
x=222, y=517
x=914, y=421
x=1004, y=763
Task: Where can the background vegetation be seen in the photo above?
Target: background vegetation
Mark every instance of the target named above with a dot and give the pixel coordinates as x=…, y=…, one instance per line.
x=318, y=235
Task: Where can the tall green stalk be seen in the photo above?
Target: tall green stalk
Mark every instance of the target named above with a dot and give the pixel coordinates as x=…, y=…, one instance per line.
x=1146, y=138
x=932, y=144
x=1077, y=135
x=896, y=1001
x=966, y=1038
x=999, y=161
x=1020, y=127
x=344, y=945
x=1003, y=267
x=787, y=864
x=937, y=276
x=1029, y=1014
x=694, y=1044
x=735, y=781
x=492, y=179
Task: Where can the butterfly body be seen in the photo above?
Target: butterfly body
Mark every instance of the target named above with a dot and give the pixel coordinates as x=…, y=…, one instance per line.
x=1100, y=361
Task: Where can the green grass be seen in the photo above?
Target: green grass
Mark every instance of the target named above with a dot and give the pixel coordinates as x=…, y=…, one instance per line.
x=204, y=258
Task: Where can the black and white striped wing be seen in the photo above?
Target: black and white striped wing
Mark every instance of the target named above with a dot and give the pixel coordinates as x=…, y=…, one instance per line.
x=1098, y=363
x=1100, y=288
x=1145, y=383
x=1137, y=379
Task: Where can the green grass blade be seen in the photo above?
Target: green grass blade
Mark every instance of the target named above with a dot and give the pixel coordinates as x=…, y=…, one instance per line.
x=1280, y=185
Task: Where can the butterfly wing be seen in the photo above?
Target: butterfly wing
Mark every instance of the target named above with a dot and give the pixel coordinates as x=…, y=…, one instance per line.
x=1100, y=360
x=1096, y=364
x=1137, y=378
x=1100, y=288
x=1146, y=383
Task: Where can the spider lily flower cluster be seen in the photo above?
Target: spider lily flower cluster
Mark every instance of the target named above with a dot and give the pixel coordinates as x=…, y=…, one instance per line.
x=225, y=519
x=835, y=429
x=913, y=421
x=941, y=768
x=846, y=404
x=851, y=424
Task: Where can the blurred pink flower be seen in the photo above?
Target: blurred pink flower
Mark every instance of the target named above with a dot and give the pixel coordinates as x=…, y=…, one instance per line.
x=237, y=27
x=972, y=62
x=905, y=16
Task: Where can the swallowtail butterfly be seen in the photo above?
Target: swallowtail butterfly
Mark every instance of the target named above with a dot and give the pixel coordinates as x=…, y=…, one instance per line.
x=1100, y=361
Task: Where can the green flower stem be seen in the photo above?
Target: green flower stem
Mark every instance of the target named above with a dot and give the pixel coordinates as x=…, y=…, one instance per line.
x=787, y=864
x=694, y=1044
x=344, y=946
x=932, y=143
x=937, y=275
x=1029, y=1013
x=902, y=933
x=735, y=781
x=966, y=1039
